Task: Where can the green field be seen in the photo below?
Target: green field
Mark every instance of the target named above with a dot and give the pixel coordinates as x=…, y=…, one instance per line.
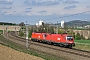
x=83, y=41
x=82, y=44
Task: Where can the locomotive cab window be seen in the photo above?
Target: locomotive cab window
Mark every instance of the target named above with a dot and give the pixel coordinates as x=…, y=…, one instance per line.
x=69, y=38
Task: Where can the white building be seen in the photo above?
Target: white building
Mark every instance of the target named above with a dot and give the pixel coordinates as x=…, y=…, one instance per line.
x=62, y=24
x=40, y=23
x=37, y=24
x=87, y=26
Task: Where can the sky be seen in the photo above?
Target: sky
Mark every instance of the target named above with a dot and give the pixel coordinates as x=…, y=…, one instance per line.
x=50, y=11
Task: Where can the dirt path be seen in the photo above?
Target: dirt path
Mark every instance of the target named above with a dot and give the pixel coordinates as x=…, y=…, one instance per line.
x=7, y=53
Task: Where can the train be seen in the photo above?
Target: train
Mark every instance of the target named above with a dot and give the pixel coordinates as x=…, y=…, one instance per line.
x=64, y=40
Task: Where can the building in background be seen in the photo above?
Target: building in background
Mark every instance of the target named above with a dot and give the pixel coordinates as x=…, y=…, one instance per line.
x=87, y=26
x=62, y=24
x=39, y=23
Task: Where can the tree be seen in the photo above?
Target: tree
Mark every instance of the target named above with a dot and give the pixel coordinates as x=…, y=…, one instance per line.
x=65, y=27
x=70, y=32
x=77, y=36
x=60, y=31
x=21, y=33
x=22, y=24
x=30, y=32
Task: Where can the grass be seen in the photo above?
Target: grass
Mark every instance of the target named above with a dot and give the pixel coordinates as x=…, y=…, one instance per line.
x=82, y=44
x=1, y=31
x=83, y=41
x=15, y=46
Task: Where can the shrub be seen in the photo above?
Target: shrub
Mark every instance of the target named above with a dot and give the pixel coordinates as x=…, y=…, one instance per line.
x=77, y=36
x=21, y=33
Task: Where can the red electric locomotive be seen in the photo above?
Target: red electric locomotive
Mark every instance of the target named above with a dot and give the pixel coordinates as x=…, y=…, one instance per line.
x=60, y=39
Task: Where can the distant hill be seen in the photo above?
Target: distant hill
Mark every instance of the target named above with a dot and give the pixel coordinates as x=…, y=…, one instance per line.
x=77, y=23
x=6, y=23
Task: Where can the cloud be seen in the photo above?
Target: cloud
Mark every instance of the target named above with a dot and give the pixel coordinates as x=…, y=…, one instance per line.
x=47, y=3
x=27, y=2
x=42, y=2
x=0, y=10
x=87, y=6
x=43, y=11
x=70, y=2
x=70, y=7
x=6, y=1
x=6, y=7
x=4, y=12
x=28, y=10
x=14, y=11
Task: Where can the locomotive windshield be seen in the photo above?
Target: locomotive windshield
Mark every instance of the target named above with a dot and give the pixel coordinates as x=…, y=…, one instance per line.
x=69, y=38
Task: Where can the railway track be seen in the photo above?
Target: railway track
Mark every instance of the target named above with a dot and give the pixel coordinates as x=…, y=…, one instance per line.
x=73, y=52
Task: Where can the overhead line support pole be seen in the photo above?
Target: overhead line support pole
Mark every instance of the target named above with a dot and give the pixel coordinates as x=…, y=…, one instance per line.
x=57, y=28
x=26, y=36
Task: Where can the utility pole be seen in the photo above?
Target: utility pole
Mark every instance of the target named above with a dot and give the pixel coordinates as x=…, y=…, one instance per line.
x=3, y=29
x=26, y=36
x=57, y=28
x=7, y=30
x=15, y=29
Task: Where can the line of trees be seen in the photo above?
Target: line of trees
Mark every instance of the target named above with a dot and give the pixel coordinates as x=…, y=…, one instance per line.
x=6, y=23
x=47, y=28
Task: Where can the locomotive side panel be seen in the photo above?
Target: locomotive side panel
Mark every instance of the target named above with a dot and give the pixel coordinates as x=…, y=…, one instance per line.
x=58, y=38
x=37, y=36
x=48, y=37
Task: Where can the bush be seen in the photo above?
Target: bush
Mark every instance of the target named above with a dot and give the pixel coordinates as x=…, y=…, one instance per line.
x=77, y=36
x=60, y=31
x=30, y=33
x=21, y=33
